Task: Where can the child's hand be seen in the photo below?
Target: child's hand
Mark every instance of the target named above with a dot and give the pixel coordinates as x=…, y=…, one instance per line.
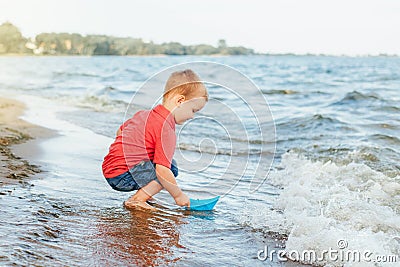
x=182, y=200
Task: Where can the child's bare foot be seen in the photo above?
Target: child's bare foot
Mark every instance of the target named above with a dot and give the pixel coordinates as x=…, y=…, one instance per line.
x=135, y=204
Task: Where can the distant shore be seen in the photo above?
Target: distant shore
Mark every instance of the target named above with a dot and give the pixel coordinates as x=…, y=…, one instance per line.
x=14, y=169
x=12, y=41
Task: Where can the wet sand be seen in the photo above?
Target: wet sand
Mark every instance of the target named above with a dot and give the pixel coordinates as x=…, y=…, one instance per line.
x=13, y=168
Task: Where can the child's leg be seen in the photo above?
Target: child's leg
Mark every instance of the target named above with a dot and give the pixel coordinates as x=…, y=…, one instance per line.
x=152, y=188
x=146, y=192
x=142, y=195
x=143, y=172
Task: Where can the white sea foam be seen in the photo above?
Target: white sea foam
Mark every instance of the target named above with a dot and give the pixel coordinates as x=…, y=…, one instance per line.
x=322, y=203
x=101, y=103
x=92, y=101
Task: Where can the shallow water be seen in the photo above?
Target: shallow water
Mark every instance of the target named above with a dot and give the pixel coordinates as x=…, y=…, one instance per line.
x=335, y=174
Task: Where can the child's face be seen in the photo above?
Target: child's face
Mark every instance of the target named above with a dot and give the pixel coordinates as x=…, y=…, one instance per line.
x=186, y=110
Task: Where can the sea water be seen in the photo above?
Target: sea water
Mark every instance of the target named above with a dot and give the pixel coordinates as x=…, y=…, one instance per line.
x=334, y=179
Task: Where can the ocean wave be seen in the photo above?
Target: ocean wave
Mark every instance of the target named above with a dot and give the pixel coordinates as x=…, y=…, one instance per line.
x=221, y=150
x=130, y=70
x=378, y=157
x=323, y=202
x=393, y=140
x=278, y=92
x=75, y=74
x=101, y=103
x=388, y=108
x=97, y=101
x=356, y=96
x=248, y=141
x=310, y=122
x=385, y=78
x=106, y=99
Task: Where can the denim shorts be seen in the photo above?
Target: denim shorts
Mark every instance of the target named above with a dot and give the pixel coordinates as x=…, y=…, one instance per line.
x=138, y=176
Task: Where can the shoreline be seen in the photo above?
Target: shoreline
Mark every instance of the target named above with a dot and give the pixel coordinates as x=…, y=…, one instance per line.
x=13, y=131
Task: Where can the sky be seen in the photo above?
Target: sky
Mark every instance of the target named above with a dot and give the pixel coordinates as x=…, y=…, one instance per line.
x=336, y=27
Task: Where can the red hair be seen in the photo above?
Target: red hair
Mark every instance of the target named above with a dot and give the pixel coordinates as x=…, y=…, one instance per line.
x=185, y=83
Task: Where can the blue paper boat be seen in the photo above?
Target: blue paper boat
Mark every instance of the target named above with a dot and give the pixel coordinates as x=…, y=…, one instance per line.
x=203, y=204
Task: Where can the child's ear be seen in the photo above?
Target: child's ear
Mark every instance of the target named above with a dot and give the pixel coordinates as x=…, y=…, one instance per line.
x=180, y=99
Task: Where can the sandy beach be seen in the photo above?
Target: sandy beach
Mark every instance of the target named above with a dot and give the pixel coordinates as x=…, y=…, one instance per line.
x=13, y=168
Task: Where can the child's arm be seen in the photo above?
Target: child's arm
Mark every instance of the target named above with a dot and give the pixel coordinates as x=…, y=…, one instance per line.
x=167, y=179
x=119, y=131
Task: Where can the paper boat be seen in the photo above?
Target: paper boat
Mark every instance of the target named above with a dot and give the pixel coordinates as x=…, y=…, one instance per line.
x=203, y=204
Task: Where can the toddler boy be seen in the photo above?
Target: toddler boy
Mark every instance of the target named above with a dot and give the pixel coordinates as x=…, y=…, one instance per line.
x=141, y=157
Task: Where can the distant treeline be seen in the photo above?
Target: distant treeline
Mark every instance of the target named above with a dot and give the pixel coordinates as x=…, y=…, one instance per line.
x=12, y=42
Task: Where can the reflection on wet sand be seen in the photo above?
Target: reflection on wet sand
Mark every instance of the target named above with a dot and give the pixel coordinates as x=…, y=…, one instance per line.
x=137, y=238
